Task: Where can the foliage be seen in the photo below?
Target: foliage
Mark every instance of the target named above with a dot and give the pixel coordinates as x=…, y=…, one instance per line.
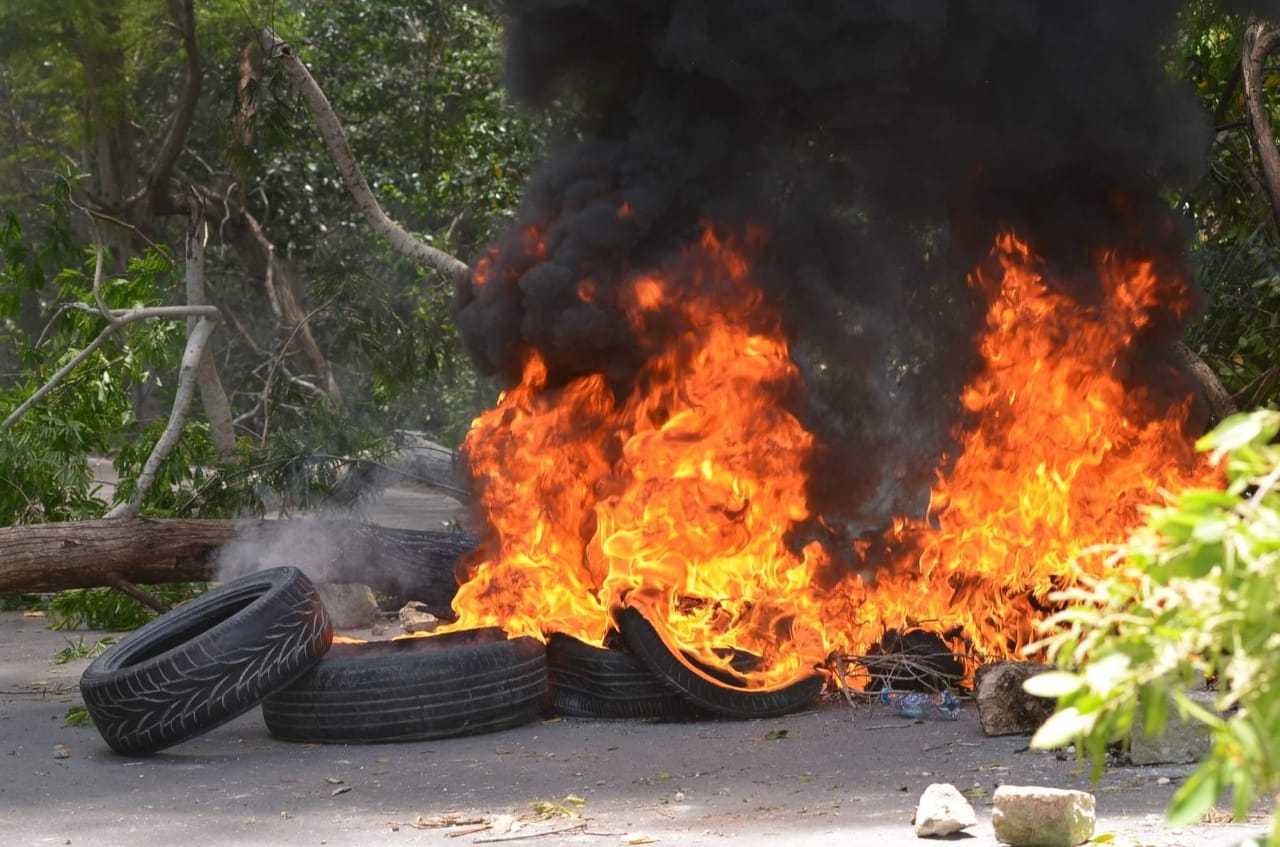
x=78, y=715
x=417, y=86
x=331, y=462
x=79, y=650
x=22, y=603
x=1235, y=251
x=105, y=608
x=1192, y=598
x=44, y=467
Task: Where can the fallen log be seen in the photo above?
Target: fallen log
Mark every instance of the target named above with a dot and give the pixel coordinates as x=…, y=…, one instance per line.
x=408, y=564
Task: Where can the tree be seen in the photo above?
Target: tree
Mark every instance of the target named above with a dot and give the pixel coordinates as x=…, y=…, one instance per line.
x=1237, y=246
x=152, y=145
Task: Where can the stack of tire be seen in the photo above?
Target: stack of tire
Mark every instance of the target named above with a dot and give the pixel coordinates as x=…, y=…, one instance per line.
x=266, y=640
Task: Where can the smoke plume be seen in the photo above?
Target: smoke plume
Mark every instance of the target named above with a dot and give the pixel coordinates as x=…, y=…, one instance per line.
x=882, y=144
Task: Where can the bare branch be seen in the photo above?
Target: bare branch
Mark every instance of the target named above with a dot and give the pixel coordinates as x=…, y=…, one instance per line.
x=212, y=395
x=420, y=253
x=178, y=415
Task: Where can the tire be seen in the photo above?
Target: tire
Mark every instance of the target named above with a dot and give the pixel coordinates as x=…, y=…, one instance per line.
x=207, y=661
x=708, y=691
x=599, y=682
x=413, y=689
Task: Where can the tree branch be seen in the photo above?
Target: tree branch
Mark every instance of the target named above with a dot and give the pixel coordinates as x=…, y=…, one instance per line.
x=161, y=172
x=213, y=397
x=117, y=319
x=196, y=344
x=1260, y=39
x=418, y=252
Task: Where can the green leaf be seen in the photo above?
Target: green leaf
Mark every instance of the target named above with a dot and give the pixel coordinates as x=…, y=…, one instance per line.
x=1053, y=684
x=1198, y=794
x=1062, y=728
x=1240, y=430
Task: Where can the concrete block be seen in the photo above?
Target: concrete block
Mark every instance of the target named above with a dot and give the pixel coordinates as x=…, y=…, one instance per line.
x=1003, y=707
x=1031, y=816
x=1180, y=743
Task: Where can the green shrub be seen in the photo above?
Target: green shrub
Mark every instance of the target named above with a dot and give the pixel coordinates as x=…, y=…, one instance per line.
x=1192, y=601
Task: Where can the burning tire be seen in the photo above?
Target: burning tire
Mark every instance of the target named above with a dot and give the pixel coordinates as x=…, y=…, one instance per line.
x=596, y=682
x=413, y=689
x=711, y=692
x=206, y=662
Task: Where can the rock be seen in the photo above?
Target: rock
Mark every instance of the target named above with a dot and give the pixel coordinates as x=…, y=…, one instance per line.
x=1003, y=707
x=1180, y=743
x=414, y=617
x=942, y=810
x=1030, y=816
x=350, y=605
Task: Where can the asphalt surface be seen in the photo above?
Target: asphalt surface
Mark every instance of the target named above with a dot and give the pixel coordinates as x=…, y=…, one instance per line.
x=832, y=775
x=829, y=775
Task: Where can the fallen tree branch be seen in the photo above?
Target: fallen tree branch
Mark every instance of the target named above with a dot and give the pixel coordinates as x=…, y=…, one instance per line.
x=124, y=586
x=408, y=564
x=335, y=139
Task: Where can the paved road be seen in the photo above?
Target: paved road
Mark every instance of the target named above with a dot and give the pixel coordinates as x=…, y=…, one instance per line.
x=836, y=777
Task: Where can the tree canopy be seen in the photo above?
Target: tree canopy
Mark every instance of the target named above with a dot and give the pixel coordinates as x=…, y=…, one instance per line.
x=120, y=117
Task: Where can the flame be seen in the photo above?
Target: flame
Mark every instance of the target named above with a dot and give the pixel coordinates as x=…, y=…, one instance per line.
x=1058, y=465
x=681, y=492
x=676, y=497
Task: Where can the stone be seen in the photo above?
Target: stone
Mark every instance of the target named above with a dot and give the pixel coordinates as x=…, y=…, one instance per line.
x=415, y=617
x=1031, y=816
x=1182, y=742
x=1004, y=708
x=942, y=811
x=350, y=605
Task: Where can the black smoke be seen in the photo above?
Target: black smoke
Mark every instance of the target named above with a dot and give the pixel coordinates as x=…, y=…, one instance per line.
x=883, y=144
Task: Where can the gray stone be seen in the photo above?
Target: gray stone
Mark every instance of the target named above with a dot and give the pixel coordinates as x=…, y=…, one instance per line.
x=942, y=811
x=414, y=617
x=1180, y=743
x=1031, y=816
x=1003, y=707
x=350, y=605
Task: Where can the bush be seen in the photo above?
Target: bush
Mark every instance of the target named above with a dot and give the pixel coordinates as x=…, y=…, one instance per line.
x=1193, y=601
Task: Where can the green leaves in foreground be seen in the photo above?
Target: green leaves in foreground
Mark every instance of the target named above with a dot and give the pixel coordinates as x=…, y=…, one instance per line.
x=1192, y=599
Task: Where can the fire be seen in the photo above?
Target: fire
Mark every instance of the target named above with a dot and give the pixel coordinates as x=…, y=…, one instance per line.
x=681, y=492
x=1059, y=462
x=676, y=497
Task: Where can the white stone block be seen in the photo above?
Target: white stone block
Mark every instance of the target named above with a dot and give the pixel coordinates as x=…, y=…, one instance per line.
x=942, y=811
x=1031, y=816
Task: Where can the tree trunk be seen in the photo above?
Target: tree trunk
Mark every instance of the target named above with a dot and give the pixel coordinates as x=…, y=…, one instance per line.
x=1260, y=40
x=407, y=564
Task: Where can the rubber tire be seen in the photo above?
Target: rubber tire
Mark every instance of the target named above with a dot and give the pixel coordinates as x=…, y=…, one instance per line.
x=599, y=682
x=705, y=690
x=207, y=661
x=413, y=689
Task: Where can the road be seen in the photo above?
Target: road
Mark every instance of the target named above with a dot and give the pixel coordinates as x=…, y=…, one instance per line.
x=832, y=775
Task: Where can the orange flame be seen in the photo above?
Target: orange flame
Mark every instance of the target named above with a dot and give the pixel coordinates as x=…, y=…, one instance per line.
x=1060, y=461
x=680, y=495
